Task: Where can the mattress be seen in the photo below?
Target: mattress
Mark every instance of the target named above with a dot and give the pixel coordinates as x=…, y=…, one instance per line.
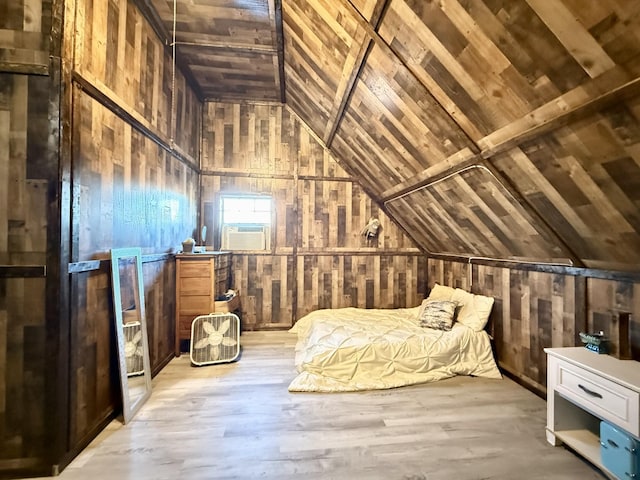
x=352, y=349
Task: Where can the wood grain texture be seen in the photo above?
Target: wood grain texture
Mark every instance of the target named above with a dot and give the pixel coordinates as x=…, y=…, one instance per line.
x=588, y=192
x=537, y=52
x=23, y=170
x=24, y=180
x=127, y=190
x=373, y=281
x=118, y=52
x=230, y=48
x=608, y=299
x=472, y=214
x=321, y=43
x=24, y=36
x=454, y=428
x=22, y=372
x=95, y=385
x=264, y=149
x=392, y=128
x=535, y=310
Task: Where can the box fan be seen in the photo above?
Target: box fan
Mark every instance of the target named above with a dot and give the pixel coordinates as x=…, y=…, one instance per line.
x=215, y=338
x=133, y=348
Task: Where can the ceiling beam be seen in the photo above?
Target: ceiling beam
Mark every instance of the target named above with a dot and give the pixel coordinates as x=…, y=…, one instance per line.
x=278, y=28
x=348, y=82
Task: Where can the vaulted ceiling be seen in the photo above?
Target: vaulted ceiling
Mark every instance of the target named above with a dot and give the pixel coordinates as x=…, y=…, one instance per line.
x=486, y=128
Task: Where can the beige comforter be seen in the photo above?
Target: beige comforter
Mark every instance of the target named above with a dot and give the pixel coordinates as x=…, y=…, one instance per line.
x=351, y=349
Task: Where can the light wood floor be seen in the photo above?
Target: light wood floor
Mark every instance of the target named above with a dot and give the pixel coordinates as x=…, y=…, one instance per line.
x=237, y=421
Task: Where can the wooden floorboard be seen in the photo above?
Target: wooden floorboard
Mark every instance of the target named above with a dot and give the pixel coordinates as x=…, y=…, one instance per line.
x=238, y=421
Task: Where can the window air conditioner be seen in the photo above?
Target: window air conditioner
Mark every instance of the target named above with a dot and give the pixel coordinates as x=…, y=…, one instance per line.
x=246, y=238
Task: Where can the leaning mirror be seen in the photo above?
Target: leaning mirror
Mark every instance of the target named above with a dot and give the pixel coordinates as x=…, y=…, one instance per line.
x=131, y=329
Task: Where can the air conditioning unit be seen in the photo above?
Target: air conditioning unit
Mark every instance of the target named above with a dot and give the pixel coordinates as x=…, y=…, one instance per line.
x=246, y=238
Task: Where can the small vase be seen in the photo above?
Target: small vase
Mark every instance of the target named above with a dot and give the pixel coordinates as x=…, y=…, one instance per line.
x=187, y=247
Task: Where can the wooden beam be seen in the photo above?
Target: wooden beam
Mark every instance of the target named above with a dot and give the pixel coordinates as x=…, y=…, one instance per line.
x=279, y=33
x=236, y=47
x=348, y=82
x=555, y=268
x=57, y=288
x=346, y=88
x=540, y=121
x=459, y=160
x=24, y=69
x=102, y=96
x=23, y=271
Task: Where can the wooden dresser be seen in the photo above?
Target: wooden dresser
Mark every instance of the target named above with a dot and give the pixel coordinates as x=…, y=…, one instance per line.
x=200, y=278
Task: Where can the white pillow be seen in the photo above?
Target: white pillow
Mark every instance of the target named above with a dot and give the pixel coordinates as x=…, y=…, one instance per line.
x=440, y=292
x=474, y=310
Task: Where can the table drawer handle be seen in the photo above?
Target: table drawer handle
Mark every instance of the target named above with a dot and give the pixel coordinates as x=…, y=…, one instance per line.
x=589, y=392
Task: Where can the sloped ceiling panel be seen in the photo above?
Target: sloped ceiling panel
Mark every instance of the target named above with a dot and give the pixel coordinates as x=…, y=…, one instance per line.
x=228, y=47
x=491, y=63
x=471, y=214
x=585, y=178
x=392, y=129
x=322, y=43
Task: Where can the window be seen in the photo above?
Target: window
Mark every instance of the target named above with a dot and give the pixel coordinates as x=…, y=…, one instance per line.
x=246, y=222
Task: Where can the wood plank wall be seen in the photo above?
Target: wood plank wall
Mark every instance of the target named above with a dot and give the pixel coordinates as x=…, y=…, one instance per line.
x=24, y=181
x=319, y=258
x=534, y=310
x=24, y=36
x=134, y=169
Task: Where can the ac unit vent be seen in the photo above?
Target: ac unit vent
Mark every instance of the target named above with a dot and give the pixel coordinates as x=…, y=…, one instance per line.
x=246, y=238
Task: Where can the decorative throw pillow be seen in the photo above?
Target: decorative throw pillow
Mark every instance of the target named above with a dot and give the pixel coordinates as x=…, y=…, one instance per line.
x=474, y=310
x=438, y=314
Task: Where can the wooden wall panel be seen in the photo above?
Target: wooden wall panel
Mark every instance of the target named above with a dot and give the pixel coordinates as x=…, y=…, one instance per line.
x=534, y=310
x=333, y=215
x=22, y=373
x=248, y=138
x=94, y=380
x=128, y=191
x=24, y=180
x=609, y=299
x=24, y=36
x=319, y=214
x=364, y=281
x=583, y=179
x=95, y=385
x=266, y=284
x=23, y=169
x=119, y=54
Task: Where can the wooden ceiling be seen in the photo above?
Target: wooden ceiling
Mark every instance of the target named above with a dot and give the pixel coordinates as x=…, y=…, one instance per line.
x=487, y=128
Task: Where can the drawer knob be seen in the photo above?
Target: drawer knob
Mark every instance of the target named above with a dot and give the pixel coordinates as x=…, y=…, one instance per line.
x=589, y=392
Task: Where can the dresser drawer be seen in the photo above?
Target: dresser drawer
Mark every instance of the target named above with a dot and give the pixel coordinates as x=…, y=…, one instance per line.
x=602, y=397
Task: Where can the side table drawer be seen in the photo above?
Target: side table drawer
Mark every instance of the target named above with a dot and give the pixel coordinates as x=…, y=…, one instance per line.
x=604, y=398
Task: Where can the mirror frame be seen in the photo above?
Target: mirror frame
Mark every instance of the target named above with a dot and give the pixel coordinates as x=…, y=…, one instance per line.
x=129, y=406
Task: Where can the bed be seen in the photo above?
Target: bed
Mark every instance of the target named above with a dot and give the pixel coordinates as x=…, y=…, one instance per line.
x=353, y=349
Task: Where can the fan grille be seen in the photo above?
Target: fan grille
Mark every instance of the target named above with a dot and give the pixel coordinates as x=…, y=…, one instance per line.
x=133, y=348
x=215, y=338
